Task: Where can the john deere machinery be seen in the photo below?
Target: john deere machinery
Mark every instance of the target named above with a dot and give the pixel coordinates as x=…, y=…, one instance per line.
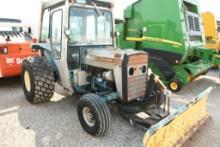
x=211, y=30
x=218, y=30
x=171, y=32
x=78, y=52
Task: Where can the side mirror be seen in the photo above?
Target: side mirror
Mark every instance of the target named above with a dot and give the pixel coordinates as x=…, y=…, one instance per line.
x=119, y=21
x=117, y=34
x=67, y=32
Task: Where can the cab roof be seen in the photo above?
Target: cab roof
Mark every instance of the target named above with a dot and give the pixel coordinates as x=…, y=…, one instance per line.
x=100, y=3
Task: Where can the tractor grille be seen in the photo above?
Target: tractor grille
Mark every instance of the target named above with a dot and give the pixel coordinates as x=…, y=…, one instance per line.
x=194, y=27
x=136, y=87
x=136, y=76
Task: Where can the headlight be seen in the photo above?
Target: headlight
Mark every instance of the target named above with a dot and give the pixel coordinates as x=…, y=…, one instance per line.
x=144, y=69
x=3, y=50
x=131, y=71
x=34, y=50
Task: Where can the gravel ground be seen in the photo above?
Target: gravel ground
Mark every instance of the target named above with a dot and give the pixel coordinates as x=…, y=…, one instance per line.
x=56, y=124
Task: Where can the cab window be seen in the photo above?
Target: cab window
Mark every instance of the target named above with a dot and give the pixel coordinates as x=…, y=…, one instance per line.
x=45, y=26
x=56, y=33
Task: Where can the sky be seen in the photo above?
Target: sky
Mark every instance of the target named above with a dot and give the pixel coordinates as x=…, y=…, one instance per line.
x=211, y=6
x=26, y=10
x=30, y=10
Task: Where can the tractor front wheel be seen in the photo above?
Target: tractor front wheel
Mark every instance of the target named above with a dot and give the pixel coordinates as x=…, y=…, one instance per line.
x=94, y=114
x=37, y=80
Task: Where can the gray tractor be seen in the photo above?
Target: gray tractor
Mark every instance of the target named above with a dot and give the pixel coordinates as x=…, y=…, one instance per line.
x=78, y=52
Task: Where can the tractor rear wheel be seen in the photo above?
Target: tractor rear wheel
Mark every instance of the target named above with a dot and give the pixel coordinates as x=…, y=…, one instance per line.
x=37, y=80
x=94, y=114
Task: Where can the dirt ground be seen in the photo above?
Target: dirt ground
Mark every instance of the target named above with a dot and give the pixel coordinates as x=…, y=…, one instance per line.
x=56, y=124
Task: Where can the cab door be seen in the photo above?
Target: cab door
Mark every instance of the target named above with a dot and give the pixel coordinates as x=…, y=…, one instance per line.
x=58, y=45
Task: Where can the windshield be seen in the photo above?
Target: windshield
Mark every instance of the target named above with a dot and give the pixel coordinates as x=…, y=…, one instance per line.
x=88, y=28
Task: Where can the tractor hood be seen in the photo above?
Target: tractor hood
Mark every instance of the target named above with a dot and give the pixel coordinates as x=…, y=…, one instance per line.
x=107, y=58
x=128, y=67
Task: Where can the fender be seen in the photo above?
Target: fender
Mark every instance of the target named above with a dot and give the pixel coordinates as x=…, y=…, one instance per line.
x=46, y=51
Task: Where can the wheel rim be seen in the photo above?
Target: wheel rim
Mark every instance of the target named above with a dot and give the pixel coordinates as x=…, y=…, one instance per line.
x=27, y=81
x=88, y=117
x=174, y=86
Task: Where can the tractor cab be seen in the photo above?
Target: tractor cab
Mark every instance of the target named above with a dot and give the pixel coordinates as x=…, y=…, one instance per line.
x=69, y=28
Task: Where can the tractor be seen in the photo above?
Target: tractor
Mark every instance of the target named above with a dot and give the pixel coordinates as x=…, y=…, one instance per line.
x=78, y=52
x=82, y=58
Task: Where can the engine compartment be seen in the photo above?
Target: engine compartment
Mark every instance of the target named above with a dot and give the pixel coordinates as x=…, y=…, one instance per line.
x=111, y=70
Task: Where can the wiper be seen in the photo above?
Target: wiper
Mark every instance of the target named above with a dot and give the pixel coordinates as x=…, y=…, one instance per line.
x=98, y=11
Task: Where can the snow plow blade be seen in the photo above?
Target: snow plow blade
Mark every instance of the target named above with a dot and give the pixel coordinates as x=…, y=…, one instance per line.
x=176, y=128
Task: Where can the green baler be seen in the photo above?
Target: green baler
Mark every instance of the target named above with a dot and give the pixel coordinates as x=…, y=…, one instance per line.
x=171, y=32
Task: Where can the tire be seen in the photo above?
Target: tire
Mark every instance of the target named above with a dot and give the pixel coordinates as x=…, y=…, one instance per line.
x=215, y=67
x=99, y=115
x=205, y=72
x=175, y=86
x=37, y=80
